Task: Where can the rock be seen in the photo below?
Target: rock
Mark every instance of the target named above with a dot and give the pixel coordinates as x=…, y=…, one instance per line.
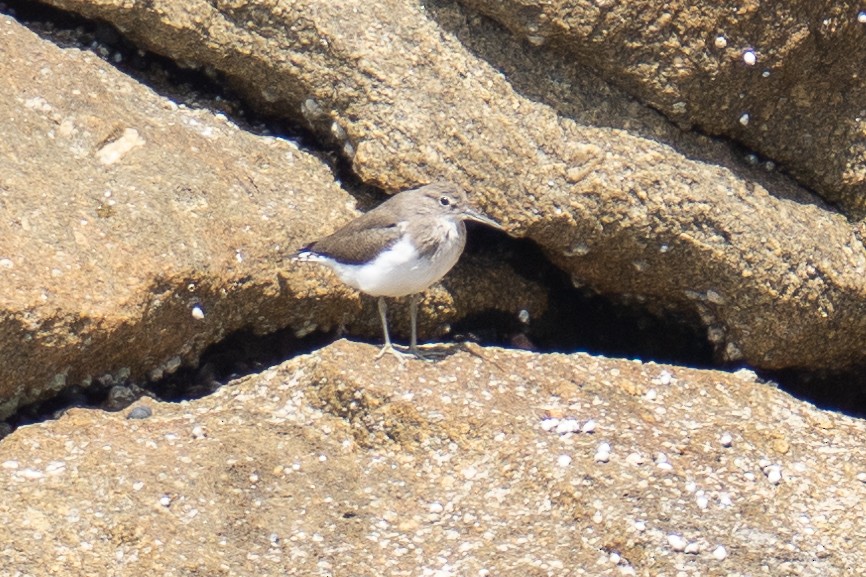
x=332, y=461
x=757, y=74
x=139, y=231
x=777, y=277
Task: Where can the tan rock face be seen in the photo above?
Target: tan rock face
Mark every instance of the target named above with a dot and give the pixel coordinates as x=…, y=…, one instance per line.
x=778, y=281
x=779, y=78
x=504, y=462
x=138, y=232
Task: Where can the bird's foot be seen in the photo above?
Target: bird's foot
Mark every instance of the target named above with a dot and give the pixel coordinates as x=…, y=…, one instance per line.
x=389, y=349
x=401, y=356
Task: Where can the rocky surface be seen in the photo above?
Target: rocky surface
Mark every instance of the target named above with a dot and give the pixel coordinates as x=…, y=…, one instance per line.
x=784, y=79
x=138, y=232
x=487, y=462
x=777, y=277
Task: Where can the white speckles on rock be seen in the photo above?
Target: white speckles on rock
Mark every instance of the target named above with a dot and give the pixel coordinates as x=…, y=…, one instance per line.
x=6, y=263
x=651, y=395
x=436, y=507
x=198, y=432
x=197, y=312
x=549, y=424
x=602, y=453
x=677, y=542
x=9, y=464
x=744, y=119
x=750, y=58
x=117, y=149
x=567, y=426
x=720, y=42
x=165, y=501
x=563, y=460
x=588, y=427
x=774, y=474
x=720, y=553
x=640, y=526
x=635, y=459
x=702, y=502
x=692, y=548
x=726, y=440
x=861, y=17
x=860, y=477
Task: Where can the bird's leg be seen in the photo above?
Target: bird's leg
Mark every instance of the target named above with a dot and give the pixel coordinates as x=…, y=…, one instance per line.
x=413, y=315
x=388, y=348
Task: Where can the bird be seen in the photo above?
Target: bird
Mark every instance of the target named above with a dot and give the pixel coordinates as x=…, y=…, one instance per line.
x=400, y=248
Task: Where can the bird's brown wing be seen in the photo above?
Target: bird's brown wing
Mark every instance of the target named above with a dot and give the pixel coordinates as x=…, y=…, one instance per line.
x=360, y=240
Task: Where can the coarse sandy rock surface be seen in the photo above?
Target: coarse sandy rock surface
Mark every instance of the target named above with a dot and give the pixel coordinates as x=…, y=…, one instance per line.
x=147, y=224
x=487, y=462
x=138, y=232
x=776, y=276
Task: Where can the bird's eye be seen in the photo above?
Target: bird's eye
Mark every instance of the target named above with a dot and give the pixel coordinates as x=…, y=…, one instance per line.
x=444, y=200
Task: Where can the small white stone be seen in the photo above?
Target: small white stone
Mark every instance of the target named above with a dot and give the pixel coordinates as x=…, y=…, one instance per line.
x=749, y=57
x=720, y=42
x=615, y=557
x=563, y=461
x=651, y=395
x=693, y=548
x=10, y=464
x=720, y=553
x=523, y=316
x=665, y=378
x=436, y=507
x=640, y=525
x=702, y=502
x=588, y=427
x=549, y=424
x=774, y=475
x=677, y=543
x=197, y=313
x=138, y=486
x=725, y=500
x=726, y=440
x=634, y=459
x=567, y=426
x=198, y=432
x=31, y=474
x=860, y=476
x=744, y=119
x=165, y=500
x=861, y=17
x=602, y=453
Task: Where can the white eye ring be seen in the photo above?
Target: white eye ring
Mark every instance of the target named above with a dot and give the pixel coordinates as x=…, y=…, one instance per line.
x=444, y=200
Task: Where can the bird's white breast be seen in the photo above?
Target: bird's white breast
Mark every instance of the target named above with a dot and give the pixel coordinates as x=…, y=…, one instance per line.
x=400, y=270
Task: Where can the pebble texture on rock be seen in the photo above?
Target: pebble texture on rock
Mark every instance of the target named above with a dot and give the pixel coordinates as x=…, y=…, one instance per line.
x=487, y=463
x=785, y=79
x=137, y=232
x=778, y=281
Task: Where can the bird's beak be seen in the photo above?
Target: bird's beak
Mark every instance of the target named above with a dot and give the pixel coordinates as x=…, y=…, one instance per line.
x=472, y=215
